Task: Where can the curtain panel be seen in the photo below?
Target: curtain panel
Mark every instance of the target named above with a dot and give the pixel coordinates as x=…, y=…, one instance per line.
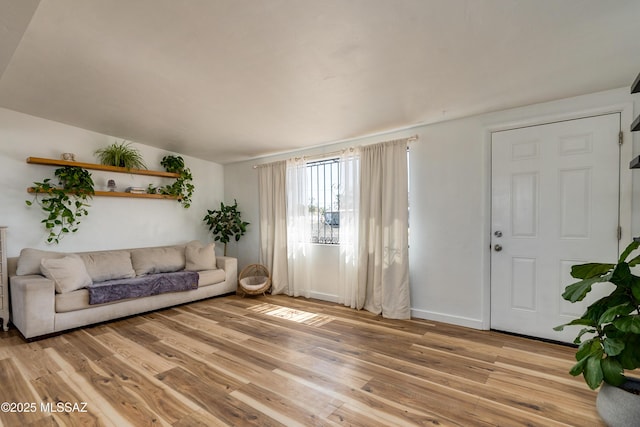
x=383, y=249
x=349, y=293
x=273, y=223
x=298, y=229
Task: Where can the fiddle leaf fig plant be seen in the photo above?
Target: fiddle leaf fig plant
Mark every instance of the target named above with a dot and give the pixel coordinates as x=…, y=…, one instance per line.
x=611, y=325
x=63, y=205
x=183, y=186
x=225, y=223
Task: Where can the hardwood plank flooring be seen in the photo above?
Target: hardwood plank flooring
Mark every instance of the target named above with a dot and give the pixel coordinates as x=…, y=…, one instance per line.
x=281, y=361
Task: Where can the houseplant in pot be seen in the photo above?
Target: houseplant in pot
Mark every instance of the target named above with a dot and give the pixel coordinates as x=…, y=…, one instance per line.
x=609, y=341
x=225, y=223
x=122, y=155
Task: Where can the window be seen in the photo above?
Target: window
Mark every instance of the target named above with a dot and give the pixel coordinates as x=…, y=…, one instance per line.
x=324, y=205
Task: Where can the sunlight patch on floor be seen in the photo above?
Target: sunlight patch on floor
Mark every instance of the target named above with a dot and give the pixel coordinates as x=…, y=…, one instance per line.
x=298, y=316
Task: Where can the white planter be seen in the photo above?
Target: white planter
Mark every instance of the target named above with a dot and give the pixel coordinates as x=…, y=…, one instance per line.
x=617, y=407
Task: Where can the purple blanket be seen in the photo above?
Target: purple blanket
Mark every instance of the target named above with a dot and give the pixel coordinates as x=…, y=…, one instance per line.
x=143, y=286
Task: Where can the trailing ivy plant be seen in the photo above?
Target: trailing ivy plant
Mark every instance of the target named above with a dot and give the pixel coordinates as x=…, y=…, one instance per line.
x=182, y=187
x=225, y=223
x=66, y=204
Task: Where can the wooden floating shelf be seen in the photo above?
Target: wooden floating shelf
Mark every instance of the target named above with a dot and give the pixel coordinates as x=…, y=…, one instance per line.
x=94, y=166
x=635, y=87
x=635, y=126
x=123, y=194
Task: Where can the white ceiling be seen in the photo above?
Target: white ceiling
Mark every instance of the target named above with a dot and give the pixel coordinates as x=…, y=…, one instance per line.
x=228, y=80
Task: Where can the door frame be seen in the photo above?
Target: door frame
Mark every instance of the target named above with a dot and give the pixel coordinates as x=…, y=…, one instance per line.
x=626, y=154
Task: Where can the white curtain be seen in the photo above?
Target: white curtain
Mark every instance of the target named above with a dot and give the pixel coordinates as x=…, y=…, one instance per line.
x=383, y=229
x=349, y=293
x=273, y=225
x=298, y=229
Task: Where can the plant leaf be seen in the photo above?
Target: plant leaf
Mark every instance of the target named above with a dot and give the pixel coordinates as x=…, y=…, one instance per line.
x=592, y=373
x=635, y=288
x=630, y=248
x=612, y=312
x=612, y=371
x=628, y=323
x=613, y=346
x=587, y=271
x=579, y=321
x=577, y=291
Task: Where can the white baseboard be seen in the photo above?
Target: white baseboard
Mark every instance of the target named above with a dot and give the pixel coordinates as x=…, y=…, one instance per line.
x=324, y=297
x=447, y=318
x=418, y=314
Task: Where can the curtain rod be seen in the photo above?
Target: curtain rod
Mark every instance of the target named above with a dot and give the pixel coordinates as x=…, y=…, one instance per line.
x=337, y=152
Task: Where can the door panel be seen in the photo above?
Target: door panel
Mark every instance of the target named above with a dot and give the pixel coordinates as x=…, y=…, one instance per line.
x=555, y=203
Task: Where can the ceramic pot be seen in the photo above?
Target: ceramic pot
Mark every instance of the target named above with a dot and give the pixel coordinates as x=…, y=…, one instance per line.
x=617, y=407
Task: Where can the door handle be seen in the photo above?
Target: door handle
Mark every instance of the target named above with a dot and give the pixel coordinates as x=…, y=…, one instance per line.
x=497, y=248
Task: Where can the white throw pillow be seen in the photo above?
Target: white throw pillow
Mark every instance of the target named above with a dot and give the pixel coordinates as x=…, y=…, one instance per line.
x=200, y=257
x=158, y=260
x=68, y=273
x=108, y=265
x=29, y=261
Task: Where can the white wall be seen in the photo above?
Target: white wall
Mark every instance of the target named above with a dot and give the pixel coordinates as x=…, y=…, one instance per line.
x=112, y=222
x=450, y=205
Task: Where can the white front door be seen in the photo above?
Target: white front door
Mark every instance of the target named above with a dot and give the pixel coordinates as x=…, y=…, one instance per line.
x=555, y=203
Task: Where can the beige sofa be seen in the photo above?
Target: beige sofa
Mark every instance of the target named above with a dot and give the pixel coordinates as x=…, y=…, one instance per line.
x=49, y=289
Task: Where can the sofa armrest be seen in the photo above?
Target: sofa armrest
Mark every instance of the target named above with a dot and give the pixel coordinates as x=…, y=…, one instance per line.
x=33, y=305
x=230, y=267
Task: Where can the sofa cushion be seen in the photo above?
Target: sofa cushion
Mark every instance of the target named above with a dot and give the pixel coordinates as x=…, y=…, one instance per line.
x=108, y=265
x=158, y=260
x=211, y=277
x=29, y=260
x=68, y=273
x=200, y=257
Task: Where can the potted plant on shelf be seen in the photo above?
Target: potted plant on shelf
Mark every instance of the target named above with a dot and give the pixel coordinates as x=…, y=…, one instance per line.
x=225, y=223
x=183, y=186
x=63, y=205
x=609, y=342
x=122, y=155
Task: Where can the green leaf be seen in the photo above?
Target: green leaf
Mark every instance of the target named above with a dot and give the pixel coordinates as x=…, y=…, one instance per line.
x=584, y=331
x=635, y=289
x=630, y=248
x=580, y=321
x=592, y=373
x=579, y=290
x=612, y=312
x=622, y=275
x=630, y=356
x=628, y=323
x=635, y=261
x=578, y=368
x=587, y=271
x=613, y=346
x=612, y=371
x=587, y=348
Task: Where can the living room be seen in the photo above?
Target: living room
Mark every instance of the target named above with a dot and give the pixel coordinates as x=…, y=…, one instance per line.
x=450, y=160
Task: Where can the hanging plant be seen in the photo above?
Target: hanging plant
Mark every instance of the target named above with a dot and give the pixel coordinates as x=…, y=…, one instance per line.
x=226, y=223
x=182, y=187
x=122, y=155
x=64, y=204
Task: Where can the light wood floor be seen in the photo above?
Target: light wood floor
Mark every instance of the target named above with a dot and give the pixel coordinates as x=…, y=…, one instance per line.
x=284, y=361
